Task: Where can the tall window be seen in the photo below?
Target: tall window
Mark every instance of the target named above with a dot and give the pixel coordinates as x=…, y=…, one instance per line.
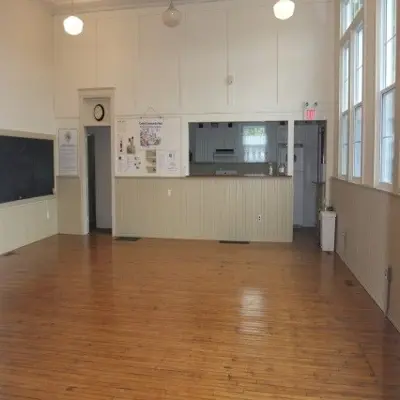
x=349, y=9
x=255, y=142
x=351, y=90
x=344, y=106
x=387, y=89
x=357, y=103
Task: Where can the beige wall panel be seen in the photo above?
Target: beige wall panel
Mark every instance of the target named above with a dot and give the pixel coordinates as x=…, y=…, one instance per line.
x=27, y=221
x=394, y=255
x=69, y=205
x=368, y=239
x=205, y=208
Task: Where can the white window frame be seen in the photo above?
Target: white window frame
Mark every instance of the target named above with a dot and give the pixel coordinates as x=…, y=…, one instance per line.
x=261, y=148
x=348, y=40
x=348, y=7
x=357, y=104
x=382, y=91
x=344, y=111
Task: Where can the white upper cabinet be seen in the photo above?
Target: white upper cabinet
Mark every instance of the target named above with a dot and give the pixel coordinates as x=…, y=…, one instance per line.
x=75, y=62
x=252, y=53
x=204, y=66
x=159, y=65
x=305, y=56
x=117, y=54
x=225, y=57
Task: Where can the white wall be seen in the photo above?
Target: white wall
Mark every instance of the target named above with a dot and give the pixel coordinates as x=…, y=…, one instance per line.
x=26, y=109
x=183, y=72
x=26, y=67
x=102, y=143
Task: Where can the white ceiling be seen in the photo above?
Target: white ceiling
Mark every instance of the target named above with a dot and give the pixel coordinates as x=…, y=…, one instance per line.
x=61, y=6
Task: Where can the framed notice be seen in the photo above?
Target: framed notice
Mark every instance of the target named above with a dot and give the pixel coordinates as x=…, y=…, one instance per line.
x=68, y=152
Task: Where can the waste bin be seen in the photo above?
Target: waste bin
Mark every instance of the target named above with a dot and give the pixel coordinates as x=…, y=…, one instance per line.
x=328, y=225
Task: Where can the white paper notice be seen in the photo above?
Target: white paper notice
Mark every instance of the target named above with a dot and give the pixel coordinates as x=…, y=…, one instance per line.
x=121, y=126
x=167, y=161
x=68, y=152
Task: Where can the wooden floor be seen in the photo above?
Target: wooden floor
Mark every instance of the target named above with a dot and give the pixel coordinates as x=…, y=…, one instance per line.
x=89, y=318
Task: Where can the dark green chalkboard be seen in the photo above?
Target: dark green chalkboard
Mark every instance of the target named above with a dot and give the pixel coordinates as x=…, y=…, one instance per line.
x=26, y=168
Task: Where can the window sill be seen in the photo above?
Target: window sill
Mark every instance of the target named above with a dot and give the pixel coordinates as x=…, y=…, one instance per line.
x=381, y=188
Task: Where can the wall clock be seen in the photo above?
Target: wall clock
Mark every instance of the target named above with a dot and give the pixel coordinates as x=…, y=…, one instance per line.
x=99, y=112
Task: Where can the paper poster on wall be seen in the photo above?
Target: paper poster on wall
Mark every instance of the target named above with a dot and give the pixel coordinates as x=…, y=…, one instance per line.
x=128, y=162
x=167, y=161
x=150, y=131
x=68, y=152
x=121, y=126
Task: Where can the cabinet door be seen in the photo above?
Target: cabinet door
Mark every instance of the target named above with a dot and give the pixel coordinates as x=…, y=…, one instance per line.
x=159, y=54
x=204, y=66
x=75, y=66
x=306, y=55
x=201, y=146
x=252, y=58
x=229, y=139
x=117, y=64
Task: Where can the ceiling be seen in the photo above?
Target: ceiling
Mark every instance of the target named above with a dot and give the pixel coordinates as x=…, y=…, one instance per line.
x=61, y=6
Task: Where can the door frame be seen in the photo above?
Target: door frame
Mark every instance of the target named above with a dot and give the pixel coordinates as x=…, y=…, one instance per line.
x=87, y=97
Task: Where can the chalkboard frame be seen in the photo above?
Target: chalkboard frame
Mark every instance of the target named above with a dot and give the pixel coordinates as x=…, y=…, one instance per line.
x=27, y=167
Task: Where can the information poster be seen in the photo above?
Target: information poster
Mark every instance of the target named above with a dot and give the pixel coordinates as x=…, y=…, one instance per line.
x=128, y=159
x=68, y=152
x=151, y=133
x=167, y=161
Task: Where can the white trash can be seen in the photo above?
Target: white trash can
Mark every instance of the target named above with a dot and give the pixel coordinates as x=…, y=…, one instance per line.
x=328, y=225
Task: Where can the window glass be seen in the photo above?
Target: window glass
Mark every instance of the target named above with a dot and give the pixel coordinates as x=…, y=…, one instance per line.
x=387, y=137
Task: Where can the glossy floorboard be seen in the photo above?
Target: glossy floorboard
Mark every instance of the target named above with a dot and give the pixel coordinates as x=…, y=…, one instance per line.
x=89, y=318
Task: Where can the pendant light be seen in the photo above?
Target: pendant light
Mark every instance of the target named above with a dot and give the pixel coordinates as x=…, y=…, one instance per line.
x=171, y=16
x=73, y=25
x=284, y=9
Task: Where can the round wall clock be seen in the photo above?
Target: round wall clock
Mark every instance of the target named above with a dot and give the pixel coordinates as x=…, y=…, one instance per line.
x=99, y=112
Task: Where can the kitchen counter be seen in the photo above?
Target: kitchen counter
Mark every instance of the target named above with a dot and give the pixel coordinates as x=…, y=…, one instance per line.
x=235, y=208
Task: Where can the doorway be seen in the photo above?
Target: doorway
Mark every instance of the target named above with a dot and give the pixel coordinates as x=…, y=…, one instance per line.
x=308, y=173
x=99, y=179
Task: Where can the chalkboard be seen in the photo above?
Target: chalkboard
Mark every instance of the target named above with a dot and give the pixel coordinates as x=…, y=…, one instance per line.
x=26, y=168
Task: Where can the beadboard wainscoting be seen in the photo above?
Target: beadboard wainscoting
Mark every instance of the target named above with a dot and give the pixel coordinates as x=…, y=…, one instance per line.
x=27, y=221
x=367, y=239
x=69, y=205
x=237, y=209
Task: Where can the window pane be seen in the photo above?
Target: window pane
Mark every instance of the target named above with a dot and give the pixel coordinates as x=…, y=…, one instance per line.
x=346, y=16
x=255, y=142
x=358, y=65
x=388, y=44
x=345, y=78
x=390, y=19
x=387, y=137
x=357, y=5
x=357, y=145
x=344, y=143
x=358, y=124
x=390, y=63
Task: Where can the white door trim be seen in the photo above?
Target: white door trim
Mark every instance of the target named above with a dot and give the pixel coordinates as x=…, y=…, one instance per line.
x=107, y=94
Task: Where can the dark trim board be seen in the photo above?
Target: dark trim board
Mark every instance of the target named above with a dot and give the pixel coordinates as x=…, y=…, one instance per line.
x=233, y=242
x=127, y=239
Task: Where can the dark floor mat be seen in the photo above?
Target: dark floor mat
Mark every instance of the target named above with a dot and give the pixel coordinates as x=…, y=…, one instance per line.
x=127, y=239
x=232, y=242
